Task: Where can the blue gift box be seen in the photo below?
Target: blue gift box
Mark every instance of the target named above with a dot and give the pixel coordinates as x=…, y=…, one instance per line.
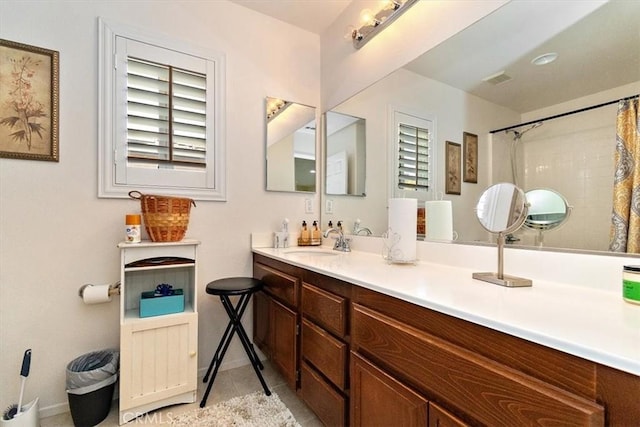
x=157, y=305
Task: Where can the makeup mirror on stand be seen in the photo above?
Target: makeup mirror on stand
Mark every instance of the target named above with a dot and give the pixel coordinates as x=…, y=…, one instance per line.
x=502, y=209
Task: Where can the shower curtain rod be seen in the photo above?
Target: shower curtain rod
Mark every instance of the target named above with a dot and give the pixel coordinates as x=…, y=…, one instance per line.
x=564, y=114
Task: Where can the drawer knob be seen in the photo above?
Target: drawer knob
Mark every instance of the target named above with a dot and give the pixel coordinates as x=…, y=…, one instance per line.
x=192, y=354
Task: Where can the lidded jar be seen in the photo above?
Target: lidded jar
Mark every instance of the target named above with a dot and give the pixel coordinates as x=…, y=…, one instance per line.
x=631, y=283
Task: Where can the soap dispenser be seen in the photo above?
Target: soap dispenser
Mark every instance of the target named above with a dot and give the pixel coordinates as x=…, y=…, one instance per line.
x=305, y=235
x=316, y=238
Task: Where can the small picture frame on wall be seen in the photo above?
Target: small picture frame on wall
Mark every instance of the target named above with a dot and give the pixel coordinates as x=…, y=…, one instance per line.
x=453, y=181
x=29, y=102
x=470, y=157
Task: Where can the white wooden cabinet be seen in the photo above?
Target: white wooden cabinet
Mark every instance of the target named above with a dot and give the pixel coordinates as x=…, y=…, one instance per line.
x=158, y=355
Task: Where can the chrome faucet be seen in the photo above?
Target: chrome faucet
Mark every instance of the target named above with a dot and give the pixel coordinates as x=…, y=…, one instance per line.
x=342, y=243
x=357, y=229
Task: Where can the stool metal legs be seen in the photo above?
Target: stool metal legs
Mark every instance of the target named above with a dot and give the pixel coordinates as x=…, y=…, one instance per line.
x=234, y=325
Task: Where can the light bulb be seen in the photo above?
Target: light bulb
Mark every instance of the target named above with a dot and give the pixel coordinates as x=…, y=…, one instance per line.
x=391, y=4
x=368, y=17
x=349, y=32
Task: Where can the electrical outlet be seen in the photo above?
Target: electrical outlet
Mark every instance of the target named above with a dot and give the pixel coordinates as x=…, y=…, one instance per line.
x=308, y=206
x=328, y=206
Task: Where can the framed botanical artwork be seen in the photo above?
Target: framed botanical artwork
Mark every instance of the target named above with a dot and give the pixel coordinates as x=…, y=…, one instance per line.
x=470, y=157
x=453, y=181
x=29, y=102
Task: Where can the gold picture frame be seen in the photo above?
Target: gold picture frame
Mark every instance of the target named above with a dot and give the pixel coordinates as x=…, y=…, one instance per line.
x=453, y=182
x=29, y=102
x=470, y=157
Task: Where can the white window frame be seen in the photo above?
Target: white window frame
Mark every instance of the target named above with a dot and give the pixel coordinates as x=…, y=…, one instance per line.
x=398, y=115
x=115, y=179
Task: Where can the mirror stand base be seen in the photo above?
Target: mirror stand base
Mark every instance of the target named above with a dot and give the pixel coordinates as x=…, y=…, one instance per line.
x=506, y=280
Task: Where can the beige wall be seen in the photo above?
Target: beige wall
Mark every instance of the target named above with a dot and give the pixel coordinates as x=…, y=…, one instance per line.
x=56, y=235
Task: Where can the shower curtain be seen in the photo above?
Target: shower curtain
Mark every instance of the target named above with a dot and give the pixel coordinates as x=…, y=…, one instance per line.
x=625, y=218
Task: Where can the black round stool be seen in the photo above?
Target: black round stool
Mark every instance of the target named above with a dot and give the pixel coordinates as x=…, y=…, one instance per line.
x=243, y=287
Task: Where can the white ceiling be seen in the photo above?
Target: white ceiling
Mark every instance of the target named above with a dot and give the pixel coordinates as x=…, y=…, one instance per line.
x=600, y=52
x=311, y=15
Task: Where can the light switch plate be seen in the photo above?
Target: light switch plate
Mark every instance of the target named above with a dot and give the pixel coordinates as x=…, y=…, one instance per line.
x=328, y=206
x=308, y=206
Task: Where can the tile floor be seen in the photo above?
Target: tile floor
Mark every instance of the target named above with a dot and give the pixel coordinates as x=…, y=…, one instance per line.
x=231, y=383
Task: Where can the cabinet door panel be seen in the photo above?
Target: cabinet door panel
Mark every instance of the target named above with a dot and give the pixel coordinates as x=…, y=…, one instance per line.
x=158, y=359
x=438, y=417
x=377, y=399
x=283, y=341
x=261, y=322
x=489, y=392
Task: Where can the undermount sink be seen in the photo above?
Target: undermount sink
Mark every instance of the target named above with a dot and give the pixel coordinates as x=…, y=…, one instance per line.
x=312, y=252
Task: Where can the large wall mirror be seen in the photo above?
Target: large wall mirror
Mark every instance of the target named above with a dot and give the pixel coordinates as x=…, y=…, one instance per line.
x=482, y=80
x=345, y=167
x=290, y=146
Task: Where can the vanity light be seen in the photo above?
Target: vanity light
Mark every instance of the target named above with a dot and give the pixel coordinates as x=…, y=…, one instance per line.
x=275, y=106
x=374, y=23
x=545, y=59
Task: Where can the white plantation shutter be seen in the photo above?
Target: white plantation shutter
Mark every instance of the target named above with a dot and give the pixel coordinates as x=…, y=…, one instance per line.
x=413, y=158
x=166, y=115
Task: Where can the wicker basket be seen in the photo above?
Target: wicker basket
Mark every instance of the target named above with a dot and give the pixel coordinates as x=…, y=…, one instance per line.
x=165, y=218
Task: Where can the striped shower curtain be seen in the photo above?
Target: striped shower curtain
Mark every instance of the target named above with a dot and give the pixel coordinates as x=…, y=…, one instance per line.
x=625, y=218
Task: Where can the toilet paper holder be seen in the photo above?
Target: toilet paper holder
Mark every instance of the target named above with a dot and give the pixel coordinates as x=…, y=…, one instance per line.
x=113, y=289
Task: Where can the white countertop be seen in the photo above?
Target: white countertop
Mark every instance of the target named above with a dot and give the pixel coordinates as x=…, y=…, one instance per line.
x=590, y=323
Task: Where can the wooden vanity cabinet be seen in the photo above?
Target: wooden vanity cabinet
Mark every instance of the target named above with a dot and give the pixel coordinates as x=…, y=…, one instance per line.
x=275, y=317
x=358, y=357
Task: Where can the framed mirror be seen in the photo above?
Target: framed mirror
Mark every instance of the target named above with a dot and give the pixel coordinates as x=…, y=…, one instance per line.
x=548, y=209
x=346, y=145
x=457, y=85
x=502, y=208
x=290, y=146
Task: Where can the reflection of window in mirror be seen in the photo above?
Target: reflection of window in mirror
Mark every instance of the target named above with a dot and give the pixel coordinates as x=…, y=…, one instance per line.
x=291, y=146
x=346, y=148
x=414, y=165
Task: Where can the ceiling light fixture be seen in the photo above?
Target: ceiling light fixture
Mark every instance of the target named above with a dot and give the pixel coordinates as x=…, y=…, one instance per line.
x=545, y=59
x=372, y=23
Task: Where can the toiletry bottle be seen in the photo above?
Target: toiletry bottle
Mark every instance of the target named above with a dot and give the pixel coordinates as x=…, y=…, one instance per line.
x=304, y=234
x=315, y=233
x=330, y=224
x=132, y=228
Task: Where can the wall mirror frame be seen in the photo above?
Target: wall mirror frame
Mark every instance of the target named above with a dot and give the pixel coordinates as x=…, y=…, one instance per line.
x=290, y=146
x=588, y=33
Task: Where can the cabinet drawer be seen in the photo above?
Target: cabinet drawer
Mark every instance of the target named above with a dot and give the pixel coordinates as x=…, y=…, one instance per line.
x=329, y=405
x=326, y=353
x=278, y=284
x=487, y=391
x=326, y=309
